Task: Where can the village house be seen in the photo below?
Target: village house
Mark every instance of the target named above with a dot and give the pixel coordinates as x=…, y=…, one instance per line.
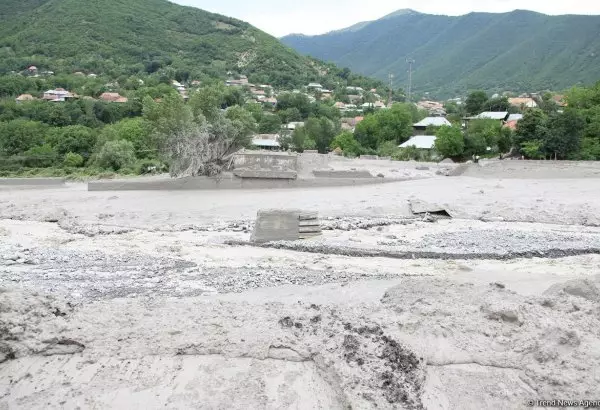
x=315, y=86
x=523, y=102
x=57, y=95
x=357, y=90
x=354, y=98
x=434, y=108
x=113, y=97
x=559, y=100
x=420, y=127
x=25, y=97
x=270, y=101
x=339, y=105
x=266, y=141
x=512, y=121
x=293, y=125
x=420, y=142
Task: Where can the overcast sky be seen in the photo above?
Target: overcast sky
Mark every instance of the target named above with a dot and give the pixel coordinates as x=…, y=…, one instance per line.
x=281, y=17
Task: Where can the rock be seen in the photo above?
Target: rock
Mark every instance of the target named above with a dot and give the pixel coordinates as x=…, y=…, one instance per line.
x=380, y=175
x=422, y=168
x=446, y=161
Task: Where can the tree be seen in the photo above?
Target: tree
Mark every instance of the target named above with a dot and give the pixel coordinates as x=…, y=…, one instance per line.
x=347, y=143
x=115, y=155
x=449, y=142
x=290, y=115
x=563, y=136
x=531, y=127
x=242, y=120
x=18, y=136
x=75, y=138
x=205, y=149
x=496, y=104
x=394, y=124
x=269, y=124
x=475, y=102
x=294, y=100
x=322, y=131
x=481, y=135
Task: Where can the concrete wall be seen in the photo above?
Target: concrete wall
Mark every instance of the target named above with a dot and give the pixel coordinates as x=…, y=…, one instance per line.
x=228, y=182
x=32, y=181
x=266, y=160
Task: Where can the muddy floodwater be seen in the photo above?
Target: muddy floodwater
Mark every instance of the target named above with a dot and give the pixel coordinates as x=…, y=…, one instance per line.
x=158, y=299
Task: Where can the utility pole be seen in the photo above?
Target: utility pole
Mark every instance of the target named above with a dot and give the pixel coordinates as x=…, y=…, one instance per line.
x=391, y=88
x=410, y=62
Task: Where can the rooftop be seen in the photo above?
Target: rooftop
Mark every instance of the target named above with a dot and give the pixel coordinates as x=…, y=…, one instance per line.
x=432, y=121
x=420, y=142
x=493, y=115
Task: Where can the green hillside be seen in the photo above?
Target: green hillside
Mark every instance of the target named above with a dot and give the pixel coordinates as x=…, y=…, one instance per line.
x=123, y=37
x=518, y=51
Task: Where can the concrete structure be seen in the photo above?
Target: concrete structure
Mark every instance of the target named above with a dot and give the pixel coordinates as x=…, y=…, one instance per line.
x=285, y=225
x=274, y=161
x=32, y=182
x=228, y=182
x=326, y=173
x=265, y=174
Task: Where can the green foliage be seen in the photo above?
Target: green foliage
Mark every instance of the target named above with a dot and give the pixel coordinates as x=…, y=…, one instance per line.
x=347, y=143
x=73, y=160
x=411, y=153
x=532, y=149
x=320, y=130
x=519, y=51
x=242, y=119
x=75, y=139
x=476, y=102
x=449, y=142
x=115, y=155
x=269, y=124
x=394, y=124
x=18, y=136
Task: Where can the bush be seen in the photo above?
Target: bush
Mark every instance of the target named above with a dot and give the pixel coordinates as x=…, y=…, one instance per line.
x=73, y=160
x=407, y=154
x=116, y=155
x=149, y=166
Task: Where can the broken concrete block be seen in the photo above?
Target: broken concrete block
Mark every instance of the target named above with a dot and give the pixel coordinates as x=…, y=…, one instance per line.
x=419, y=207
x=285, y=225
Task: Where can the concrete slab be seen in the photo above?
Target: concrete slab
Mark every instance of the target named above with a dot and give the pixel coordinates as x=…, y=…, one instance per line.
x=265, y=174
x=342, y=174
x=32, y=181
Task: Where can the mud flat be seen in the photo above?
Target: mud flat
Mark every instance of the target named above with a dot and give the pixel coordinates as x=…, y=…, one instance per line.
x=155, y=299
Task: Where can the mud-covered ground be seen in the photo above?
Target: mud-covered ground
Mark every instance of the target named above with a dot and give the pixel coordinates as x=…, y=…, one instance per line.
x=157, y=299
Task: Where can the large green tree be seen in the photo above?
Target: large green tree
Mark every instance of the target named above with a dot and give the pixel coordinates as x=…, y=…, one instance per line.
x=475, y=102
x=394, y=124
x=449, y=142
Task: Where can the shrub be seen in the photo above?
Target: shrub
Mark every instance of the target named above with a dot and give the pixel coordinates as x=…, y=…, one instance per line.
x=73, y=160
x=115, y=155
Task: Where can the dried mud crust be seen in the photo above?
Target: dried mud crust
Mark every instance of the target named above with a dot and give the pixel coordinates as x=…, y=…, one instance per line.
x=33, y=324
x=547, y=341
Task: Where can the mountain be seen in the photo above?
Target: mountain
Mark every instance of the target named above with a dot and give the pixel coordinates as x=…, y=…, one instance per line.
x=125, y=37
x=518, y=51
